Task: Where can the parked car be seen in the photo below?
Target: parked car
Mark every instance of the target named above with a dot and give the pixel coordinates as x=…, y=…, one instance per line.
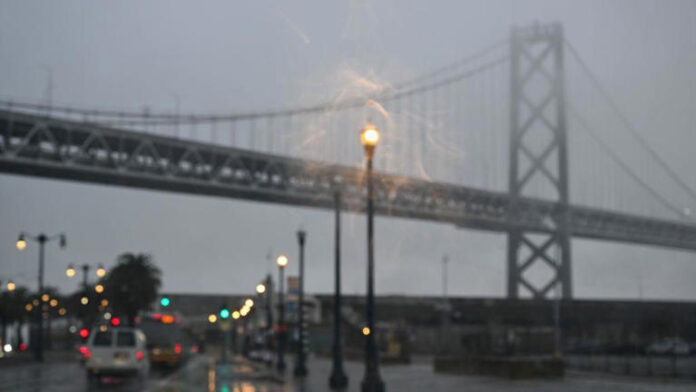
x=675, y=346
x=115, y=352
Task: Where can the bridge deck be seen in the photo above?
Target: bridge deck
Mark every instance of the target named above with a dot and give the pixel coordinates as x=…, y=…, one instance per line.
x=47, y=147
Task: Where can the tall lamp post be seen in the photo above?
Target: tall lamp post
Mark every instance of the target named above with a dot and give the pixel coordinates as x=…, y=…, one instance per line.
x=372, y=382
x=338, y=378
x=42, y=239
x=300, y=366
x=281, y=261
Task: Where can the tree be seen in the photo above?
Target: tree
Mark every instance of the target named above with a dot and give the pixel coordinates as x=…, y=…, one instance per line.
x=132, y=285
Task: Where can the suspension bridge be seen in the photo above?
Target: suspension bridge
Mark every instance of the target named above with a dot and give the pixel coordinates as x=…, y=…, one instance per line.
x=500, y=141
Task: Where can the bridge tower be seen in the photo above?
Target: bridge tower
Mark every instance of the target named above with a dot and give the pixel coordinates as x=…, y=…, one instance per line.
x=538, y=161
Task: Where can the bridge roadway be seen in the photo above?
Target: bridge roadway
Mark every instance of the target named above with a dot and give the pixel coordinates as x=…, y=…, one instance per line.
x=33, y=145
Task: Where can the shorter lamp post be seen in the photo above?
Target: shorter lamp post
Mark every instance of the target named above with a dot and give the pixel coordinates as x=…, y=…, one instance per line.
x=42, y=239
x=282, y=262
x=338, y=378
x=300, y=366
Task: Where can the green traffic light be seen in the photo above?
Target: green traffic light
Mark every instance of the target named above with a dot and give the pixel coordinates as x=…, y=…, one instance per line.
x=224, y=313
x=164, y=301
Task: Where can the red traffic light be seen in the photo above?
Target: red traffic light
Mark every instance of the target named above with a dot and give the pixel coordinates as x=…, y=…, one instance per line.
x=84, y=333
x=115, y=322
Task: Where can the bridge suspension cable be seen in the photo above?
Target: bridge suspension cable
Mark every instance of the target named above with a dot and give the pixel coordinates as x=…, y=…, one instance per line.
x=410, y=87
x=594, y=135
x=629, y=125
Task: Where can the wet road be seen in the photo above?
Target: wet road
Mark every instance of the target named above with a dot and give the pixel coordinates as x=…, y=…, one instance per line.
x=69, y=376
x=203, y=374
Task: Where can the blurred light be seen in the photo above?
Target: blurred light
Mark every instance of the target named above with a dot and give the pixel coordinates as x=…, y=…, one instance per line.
x=21, y=242
x=244, y=311
x=54, y=303
x=282, y=261
x=107, y=316
x=157, y=316
x=84, y=350
x=22, y=347
x=369, y=136
x=103, y=328
x=224, y=313
x=115, y=321
x=99, y=288
x=212, y=318
x=7, y=348
x=35, y=302
x=11, y=286
x=62, y=311
x=249, y=303
x=139, y=355
x=366, y=331
x=260, y=288
x=165, y=302
x=168, y=319
x=28, y=307
x=105, y=302
x=101, y=272
x=84, y=333
x=84, y=300
x=70, y=271
x=177, y=348
x=45, y=297
x=72, y=329
x=235, y=315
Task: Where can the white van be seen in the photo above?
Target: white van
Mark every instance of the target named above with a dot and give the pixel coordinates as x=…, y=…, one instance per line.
x=115, y=352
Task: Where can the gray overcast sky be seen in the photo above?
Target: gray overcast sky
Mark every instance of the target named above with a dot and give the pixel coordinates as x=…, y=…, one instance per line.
x=221, y=56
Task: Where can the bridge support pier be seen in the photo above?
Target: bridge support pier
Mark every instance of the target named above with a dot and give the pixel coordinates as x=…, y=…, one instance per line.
x=538, y=162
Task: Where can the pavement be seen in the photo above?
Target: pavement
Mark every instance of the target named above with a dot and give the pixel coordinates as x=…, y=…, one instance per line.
x=205, y=373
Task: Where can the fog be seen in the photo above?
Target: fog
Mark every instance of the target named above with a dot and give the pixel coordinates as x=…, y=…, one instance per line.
x=236, y=57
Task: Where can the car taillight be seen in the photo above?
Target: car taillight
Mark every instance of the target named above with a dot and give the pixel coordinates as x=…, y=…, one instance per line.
x=195, y=349
x=177, y=348
x=139, y=355
x=22, y=347
x=85, y=352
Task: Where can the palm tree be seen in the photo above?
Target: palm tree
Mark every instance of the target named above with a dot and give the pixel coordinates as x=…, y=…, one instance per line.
x=132, y=285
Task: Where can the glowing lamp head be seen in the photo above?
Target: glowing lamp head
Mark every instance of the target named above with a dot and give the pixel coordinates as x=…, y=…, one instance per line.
x=282, y=261
x=224, y=314
x=369, y=136
x=53, y=303
x=260, y=288
x=236, y=315
x=101, y=272
x=11, y=286
x=165, y=301
x=70, y=271
x=21, y=242
x=84, y=300
x=249, y=303
x=45, y=297
x=366, y=331
x=212, y=318
x=99, y=288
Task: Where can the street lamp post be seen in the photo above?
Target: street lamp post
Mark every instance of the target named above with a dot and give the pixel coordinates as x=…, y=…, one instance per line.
x=42, y=239
x=372, y=382
x=300, y=367
x=338, y=378
x=281, y=261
